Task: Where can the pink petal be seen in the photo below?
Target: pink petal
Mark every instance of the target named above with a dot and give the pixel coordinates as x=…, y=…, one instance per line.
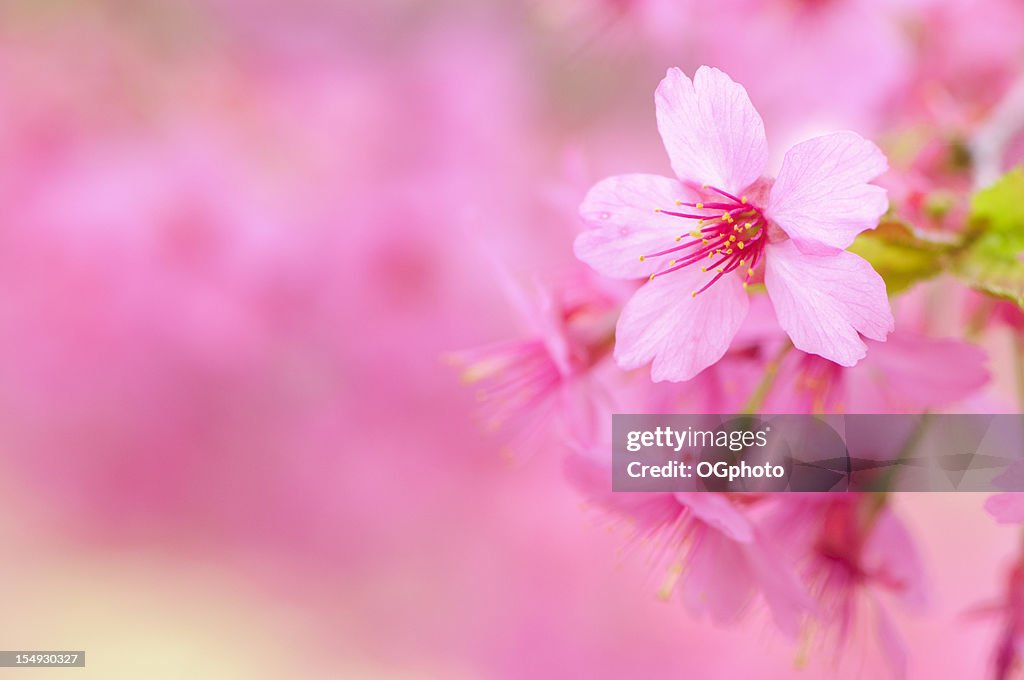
x=710, y=129
x=822, y=302
x=623, y=224
x=682, y=334
x=890, y=554
x=1007, y=508
x=822, y=198
x=719, y=513
x=538, y=312
x=787, y=599
x=718, y=579
x=891, y=641
x=909, y=373
x=650, y=511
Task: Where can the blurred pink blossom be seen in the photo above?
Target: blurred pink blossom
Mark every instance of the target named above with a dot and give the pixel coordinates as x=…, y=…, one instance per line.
x=810, y=64
x=545, y=382
x=709, y=544
x=906, y=374
x=855, y=553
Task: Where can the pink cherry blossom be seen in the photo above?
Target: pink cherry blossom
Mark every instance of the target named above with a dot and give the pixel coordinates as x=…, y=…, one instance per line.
x=702, y=237
x=542, y=380
x=556, y=377
x=856, y=554
x=716, y=559
x=907, y=374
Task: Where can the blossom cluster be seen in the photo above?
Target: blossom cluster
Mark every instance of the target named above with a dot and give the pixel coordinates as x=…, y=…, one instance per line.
x=873, y=269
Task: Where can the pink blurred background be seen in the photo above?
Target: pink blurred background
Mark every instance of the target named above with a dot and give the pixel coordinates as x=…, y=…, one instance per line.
x=237, y=239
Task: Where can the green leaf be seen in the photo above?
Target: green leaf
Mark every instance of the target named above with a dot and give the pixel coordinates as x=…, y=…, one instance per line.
x=1000, y=207
x=900, y=255
x=1000, y=277
x=992, y=261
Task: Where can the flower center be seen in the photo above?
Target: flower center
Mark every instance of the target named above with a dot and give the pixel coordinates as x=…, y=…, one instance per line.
x=730, y=234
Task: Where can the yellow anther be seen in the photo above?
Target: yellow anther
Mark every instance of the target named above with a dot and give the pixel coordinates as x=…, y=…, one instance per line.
x=700, y=206
x=750, y=272
x=743, y=199
x=693, y=294
x=748, y=225
x=740, y=245
x=733, y=238
x=704, y=241
x=700, y=223
x=679, y=202
x=671, y=263
x=679, y=238
x=705, y=186
x=745, y=285
x=703, y=269
x=719, y=270
x=652, y=277
x=657, y=210
x=729, y=252
x=695, y=233
x=643, y=257
x=742, y=262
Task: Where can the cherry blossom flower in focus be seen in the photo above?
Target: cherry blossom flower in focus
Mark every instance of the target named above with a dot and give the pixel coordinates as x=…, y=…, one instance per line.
x=721, y=225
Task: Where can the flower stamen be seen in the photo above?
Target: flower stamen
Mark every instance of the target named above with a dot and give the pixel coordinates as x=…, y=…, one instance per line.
x=735, y=233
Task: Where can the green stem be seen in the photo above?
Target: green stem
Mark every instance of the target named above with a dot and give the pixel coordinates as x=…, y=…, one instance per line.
x=771, y=371
x=906, y=452
x=875, y=502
